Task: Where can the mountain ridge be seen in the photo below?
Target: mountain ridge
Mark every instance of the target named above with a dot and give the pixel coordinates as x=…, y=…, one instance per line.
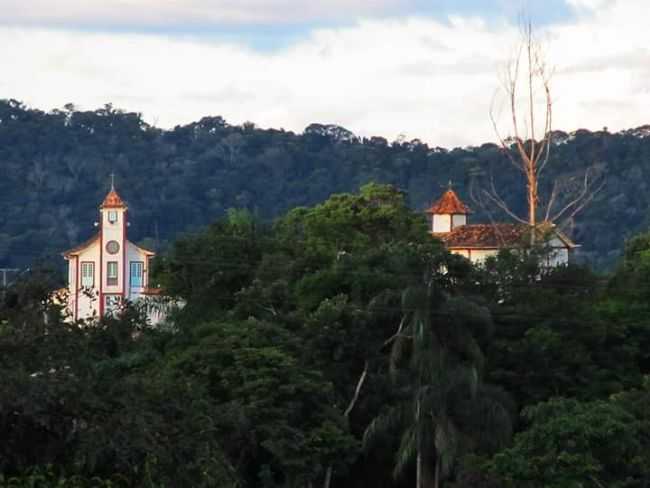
x=57, y=165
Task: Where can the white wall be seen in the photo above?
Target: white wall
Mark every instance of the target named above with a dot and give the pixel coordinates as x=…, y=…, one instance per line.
x=441, y=223
x=457, y=220
x=134, y=253
x=479, y=256
x=88, y=299
x=460, y=252
x=476, y=256
x=558, y=257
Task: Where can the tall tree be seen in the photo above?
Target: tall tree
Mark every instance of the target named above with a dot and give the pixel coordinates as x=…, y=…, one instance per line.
x=526, y=90
x=445, y=403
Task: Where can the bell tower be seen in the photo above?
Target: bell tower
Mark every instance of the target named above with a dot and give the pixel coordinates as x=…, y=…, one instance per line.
x=447, y=213
x=113, y=249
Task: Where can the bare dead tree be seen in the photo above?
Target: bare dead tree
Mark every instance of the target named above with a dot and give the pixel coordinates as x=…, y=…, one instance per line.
x=526, y=95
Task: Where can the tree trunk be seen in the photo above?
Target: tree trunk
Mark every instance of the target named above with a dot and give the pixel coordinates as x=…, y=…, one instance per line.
x=346, y=414
x=532, y=204
x=418, y=471
x=328, y=477
x=436, y=481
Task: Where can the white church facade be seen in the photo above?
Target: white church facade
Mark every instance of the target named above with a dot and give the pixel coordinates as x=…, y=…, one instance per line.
x=108, y=270
x=448, y=220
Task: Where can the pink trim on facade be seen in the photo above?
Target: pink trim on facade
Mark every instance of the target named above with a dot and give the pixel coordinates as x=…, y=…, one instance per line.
x=101, y=265
x=124, y=255
x=76, y=290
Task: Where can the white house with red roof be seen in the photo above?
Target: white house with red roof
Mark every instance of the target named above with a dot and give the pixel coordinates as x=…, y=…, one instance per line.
x=107, y=270
x=448, y=221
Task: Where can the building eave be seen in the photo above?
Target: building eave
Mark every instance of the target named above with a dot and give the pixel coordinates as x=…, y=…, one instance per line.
x=75, y=251
x=148, y=252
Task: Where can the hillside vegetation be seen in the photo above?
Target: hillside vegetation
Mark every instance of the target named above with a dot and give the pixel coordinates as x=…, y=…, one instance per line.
x=56, y=168
x=341, y=347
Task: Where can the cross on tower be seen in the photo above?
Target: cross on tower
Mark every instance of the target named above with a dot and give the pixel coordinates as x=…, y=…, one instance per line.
x=450, y=185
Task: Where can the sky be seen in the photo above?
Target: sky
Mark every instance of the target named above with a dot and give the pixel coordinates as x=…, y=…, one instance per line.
x=425, y=69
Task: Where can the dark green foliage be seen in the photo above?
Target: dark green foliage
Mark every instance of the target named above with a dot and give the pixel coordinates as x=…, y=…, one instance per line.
x=88, y=406
x=56, y=168
x=337, y=320
x=572, y=444
x=551, y=336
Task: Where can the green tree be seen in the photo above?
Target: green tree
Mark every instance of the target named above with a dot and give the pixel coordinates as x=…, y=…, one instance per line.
x=573, y=444
x=444, y=404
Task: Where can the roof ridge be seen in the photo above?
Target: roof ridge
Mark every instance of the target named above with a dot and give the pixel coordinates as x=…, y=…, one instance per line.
x=449, y=203
x=113, y=200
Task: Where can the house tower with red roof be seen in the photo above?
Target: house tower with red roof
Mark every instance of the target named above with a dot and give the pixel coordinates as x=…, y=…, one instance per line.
x=477, y=242
x=448, y=213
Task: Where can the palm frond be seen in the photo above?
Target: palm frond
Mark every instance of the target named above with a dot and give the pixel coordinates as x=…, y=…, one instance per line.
x=446, y=443
x=382, y=424
x=406, y=451
x=396, y=353
x=462, y=379
x=495, y=428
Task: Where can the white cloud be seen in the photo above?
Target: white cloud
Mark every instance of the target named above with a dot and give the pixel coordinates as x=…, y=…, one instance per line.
x=588, y=4
x=167, y=12
x=422, y=78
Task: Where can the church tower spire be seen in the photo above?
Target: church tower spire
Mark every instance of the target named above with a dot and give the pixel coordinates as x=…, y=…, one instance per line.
x=113, y=249
x=447, y=213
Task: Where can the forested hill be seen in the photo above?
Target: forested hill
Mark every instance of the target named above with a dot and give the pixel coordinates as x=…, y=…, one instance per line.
x=55, y=170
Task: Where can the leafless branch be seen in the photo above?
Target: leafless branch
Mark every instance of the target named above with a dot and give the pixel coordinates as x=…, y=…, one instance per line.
x=502, y=142
x=357, y=390
x=493, y=195
x=587, y=200
x=396, y=334
x=551, y=201
x=586, y=194
x=548, y=133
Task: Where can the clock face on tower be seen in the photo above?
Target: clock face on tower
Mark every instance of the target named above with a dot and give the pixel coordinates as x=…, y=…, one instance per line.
x=112, y=247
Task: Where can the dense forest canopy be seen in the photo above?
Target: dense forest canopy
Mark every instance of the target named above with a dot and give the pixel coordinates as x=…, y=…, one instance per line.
x=340, y=347
x=56, y=168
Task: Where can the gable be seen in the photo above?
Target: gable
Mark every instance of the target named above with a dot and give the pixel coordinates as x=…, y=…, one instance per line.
x=137, y=253
x=84, y=247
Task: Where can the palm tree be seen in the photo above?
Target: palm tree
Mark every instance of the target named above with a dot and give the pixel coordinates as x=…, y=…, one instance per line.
x=446, y=408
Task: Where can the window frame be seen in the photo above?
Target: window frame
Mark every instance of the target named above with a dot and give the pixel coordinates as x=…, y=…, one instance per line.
x=112, y=213
x=112, y=309
x=112, y=280
x=131, y=264
x=91, y=265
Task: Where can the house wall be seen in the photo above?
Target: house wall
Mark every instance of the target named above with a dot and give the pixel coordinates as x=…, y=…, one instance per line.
x=134, y=253
x=88, y=299
x=72, y=283
x=457, y=220
x=558, y=256
x=476, y=256
x=441, y=223
x=480, y=255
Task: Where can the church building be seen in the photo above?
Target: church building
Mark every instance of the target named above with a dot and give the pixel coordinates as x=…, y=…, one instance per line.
x=448, y=221
x=107, y=269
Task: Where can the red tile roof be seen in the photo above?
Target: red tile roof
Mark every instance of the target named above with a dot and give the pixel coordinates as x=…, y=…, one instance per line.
x=449, y=203
x=113, y=200
x=495, y=236
x=75, y=250
x=152, y=291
